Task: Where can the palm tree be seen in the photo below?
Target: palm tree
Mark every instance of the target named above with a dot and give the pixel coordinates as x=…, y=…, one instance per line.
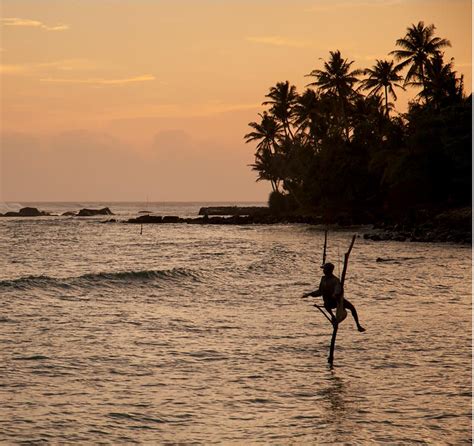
x=417, y=46
x=337, y=80
x=382, y=75
x=267, y=157
x=441, y=86
x=306, y=115
x=369, y=121
x=267, y=166
x=267, y=132
x=282, y=97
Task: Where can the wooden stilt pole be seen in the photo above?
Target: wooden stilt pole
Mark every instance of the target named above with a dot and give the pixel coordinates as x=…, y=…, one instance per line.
x=322, y=311
x=336, y=322
x=325, y=245
x=333, y=343
x=346, y=262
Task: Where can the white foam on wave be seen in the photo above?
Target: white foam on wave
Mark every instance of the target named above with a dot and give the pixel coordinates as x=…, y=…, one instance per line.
x=9, y=207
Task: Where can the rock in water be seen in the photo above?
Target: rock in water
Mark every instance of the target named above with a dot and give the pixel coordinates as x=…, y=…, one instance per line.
x=235, y=210
x=30, y=212
x=25, y=212
x=93, y=212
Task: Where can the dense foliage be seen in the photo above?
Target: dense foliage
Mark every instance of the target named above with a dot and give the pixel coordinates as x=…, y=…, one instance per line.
x=336, y=151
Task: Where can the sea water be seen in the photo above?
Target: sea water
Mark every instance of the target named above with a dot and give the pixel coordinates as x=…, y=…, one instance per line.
x=197, y=334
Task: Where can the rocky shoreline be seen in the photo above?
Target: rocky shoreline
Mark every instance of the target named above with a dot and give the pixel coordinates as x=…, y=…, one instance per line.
x=228, y=220
x=252, y=211
x=452, y=226
x=35, y=212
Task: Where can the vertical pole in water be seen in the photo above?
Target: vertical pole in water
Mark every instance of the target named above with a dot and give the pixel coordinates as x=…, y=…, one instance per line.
x=336, y=323
x=333, y=342
x=325, y=245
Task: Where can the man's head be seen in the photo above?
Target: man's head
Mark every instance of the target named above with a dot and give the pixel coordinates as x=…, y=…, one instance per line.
x=328, y=268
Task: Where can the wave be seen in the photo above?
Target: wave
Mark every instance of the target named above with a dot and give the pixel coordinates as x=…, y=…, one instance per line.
x=6, y=207
x=102, y=278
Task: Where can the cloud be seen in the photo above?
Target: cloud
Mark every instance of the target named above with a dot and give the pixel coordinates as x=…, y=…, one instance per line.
x=326, y=6
x=80, y=162
x=173, y=110
x=279, y=41
x=60, y=65
x=369, y=57
x=83, y=165
x=97, y=81
x=53, y=72
x=13, y=69
x=16, y=21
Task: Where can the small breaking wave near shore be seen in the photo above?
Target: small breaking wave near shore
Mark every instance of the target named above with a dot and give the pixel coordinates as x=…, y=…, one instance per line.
x=102, y=278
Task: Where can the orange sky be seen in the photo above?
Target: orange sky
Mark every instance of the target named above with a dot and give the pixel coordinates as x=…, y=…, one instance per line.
x=118, y=100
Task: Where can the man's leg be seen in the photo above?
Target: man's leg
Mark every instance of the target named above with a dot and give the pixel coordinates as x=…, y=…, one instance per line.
x=351, y=307
x=329, y=307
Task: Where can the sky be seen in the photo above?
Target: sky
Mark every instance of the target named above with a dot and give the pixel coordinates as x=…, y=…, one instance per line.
x=135, y=100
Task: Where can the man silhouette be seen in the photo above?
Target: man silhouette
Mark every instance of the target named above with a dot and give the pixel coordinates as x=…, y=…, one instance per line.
x=331, y=290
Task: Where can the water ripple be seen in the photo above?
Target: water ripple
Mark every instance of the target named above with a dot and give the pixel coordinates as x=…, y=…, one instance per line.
x=198, y=335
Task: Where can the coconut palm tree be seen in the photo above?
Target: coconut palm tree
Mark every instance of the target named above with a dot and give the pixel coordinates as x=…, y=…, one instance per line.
x=337, y=80
x=267, y=132
x=282, y=97
x=306, y=115
x=417, y=46
x=267, y=164
x=441, y=86
x=382, y=75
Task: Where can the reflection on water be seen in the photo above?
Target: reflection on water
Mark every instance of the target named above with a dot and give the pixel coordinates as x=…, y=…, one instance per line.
x=198, y=334
x=334, y=395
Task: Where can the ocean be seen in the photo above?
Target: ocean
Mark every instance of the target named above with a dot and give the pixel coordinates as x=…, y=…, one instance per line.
x=195, y=334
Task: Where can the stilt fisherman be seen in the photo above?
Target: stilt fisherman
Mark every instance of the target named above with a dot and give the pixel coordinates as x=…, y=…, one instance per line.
x=331, y=290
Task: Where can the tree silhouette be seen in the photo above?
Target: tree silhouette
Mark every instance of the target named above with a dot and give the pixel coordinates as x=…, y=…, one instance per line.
x=417, y=46
x=267, y=164
x=337, y=152
x=282, y=98
x=337, y=80
x=382, y=75
x=267, y=132
x=441, y=86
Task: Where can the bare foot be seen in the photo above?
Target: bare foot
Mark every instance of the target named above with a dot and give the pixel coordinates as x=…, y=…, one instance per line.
x=360, y=328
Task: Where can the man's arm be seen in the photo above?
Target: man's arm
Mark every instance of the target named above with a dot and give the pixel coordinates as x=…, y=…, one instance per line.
x=314, y=293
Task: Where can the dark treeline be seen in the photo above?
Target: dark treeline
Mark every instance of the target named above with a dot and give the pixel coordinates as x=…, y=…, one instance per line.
x=340, y=147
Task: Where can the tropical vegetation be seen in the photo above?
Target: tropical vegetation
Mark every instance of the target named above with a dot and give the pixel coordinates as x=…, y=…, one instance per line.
x=340, y=147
